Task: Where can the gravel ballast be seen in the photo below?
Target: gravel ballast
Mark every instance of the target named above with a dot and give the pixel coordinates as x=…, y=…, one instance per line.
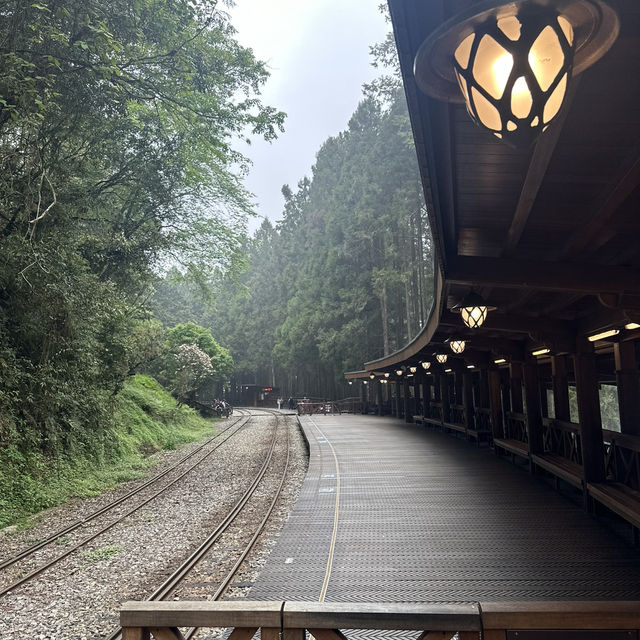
x=80, y=597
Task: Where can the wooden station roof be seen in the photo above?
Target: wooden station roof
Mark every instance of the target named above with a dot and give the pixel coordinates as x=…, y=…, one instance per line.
x=548, y=235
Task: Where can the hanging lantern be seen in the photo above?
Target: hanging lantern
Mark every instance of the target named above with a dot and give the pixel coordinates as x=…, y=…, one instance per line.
x=413, y=369
x=457, y=346
x=425, y=364
x=441, y=357
x=372, y=376
x=473, y=310
x=512, y=63
x=386, y=375
x=399, y=372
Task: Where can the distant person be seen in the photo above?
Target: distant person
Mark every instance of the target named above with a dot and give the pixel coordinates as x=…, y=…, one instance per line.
x=279, y=403
x=291, y=405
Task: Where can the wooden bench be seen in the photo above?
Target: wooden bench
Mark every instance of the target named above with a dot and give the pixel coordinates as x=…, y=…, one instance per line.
x=515, y=447
x=621, y=491
x=454, y=426
x=619, y=498
x=560, y=467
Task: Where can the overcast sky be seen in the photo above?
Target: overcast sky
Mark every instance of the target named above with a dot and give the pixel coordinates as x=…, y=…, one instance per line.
x=318, y=55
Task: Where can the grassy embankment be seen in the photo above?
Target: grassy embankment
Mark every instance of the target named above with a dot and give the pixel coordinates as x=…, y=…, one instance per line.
x=146, y=419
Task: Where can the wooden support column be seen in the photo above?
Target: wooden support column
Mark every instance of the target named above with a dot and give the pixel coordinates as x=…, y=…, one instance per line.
x=495, y=403
x=378, y=396
x=544, y=401
x=363, y=399
x=444, y=396
x=459, y=386
x=395, y=399
x=467, y=399
x=515, y=387
x=408, y=416
x=532, y=397
x=559, y=375
x=628, y=384
x=589, y=411
x=483, y=387
x=425, y=384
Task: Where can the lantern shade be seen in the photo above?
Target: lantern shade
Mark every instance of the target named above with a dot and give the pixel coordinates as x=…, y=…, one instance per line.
x=372, y=376
x=511, y=62
x=473, y=310
x=513, y=72
x=399, y=372
x=441, y=357
x=425, y=364
x=457, y=346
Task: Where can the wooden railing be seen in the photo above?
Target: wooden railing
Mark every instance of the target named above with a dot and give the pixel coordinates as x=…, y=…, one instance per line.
x=456, y=414
x=622, y=458
x=350, y=405
x=562, y=439
x=311, y=408
x=327, y=621
x=483, y=419
x=515, y=427
x=435, y=411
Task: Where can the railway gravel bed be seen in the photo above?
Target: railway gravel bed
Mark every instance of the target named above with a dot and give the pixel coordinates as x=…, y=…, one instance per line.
x=80, y=597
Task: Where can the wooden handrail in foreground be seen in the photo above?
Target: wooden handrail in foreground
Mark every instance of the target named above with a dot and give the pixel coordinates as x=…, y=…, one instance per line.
x=289, y=620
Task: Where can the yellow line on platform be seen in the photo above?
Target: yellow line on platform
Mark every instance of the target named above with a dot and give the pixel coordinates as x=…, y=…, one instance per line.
x=336, y=512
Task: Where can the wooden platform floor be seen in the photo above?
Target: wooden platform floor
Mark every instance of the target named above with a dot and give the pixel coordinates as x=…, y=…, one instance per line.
x=412, y=515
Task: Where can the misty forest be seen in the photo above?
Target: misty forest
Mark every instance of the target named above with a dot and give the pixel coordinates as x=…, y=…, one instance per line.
x=130, y=284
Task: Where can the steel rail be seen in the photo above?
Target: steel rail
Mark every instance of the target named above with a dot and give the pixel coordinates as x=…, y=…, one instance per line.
x=227, y=581
x=112, y=524
x=174, y=580
x=95, y=514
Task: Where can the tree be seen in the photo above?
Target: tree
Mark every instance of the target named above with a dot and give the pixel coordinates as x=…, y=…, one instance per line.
x=117, y=122
x=191, y=368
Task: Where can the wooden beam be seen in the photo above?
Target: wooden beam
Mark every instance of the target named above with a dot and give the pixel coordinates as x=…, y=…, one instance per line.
x=327, y=634
x=560, y=615
x=557, y=329
x=205, y=613
x=135, y=633
x=543, y=275
x=535, y=173
x=242, y=633
x=396, y=616
x=590, y=236
x=166, y=633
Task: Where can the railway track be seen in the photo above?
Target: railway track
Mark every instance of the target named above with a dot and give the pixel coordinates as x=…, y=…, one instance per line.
x=207, y=448
x=181, y=574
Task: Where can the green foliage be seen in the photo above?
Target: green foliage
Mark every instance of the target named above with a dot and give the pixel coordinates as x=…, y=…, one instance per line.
x=117, y=125
x=191, y=333
x=94, y=556
x=145, y=419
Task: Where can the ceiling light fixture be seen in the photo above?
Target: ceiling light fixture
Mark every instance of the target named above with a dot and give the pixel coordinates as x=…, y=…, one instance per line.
x=511, y=63
x=603, y=334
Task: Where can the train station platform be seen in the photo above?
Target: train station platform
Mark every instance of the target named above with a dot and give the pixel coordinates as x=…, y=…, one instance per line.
x=391, y=512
